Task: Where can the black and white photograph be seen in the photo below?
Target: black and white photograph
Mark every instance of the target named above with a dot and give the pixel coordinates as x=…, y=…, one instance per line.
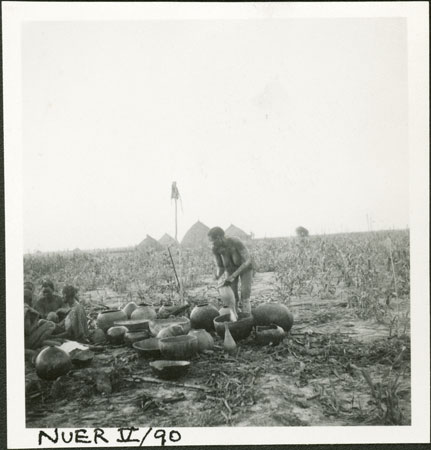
x=218, y=218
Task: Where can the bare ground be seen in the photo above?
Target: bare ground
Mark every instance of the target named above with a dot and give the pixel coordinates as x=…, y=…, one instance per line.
x=332, y=369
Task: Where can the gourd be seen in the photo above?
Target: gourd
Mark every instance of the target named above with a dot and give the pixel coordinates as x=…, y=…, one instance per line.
x=172, y=330
x=52, y=362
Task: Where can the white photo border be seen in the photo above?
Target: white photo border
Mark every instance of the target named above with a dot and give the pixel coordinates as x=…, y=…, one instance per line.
x=14, y=14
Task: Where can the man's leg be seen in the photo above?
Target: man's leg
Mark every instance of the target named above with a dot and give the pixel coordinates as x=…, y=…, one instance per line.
x=234, y=286
x=246, y=280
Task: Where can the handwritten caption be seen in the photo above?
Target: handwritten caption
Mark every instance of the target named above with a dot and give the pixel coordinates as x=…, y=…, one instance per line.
x=129, y=435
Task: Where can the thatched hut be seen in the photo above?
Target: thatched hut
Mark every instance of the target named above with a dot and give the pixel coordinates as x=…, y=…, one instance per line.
x=234, y=231
x=167, y=240
x=196, y=236
x=149, y=243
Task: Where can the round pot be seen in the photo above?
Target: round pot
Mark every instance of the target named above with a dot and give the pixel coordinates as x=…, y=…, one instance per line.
x=129, y=308
x=135, y=336
x=158, y=324
x=165, y=310
x=269, y=334
x=52, y=362
x=98, y=336
x=205, y=340
x=171, y=330
x=170, y=370
x=106, y=319
x=202, y=316
x=179, y=347
x=240, y=329
x=116, y=335
x=134, y=325
x=81, y=358
x=143, y=311
x=273, y=313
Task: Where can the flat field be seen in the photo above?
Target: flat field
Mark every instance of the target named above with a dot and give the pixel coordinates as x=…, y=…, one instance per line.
x=346, y=360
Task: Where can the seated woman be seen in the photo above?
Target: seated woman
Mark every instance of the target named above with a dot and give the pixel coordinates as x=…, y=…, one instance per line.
x=74, y=325
x=49, y=302
x=36, y=330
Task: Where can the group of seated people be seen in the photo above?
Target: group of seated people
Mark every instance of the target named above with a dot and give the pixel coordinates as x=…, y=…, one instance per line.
x=51, y=316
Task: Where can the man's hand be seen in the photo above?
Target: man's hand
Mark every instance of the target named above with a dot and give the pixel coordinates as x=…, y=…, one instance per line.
x=229, y=279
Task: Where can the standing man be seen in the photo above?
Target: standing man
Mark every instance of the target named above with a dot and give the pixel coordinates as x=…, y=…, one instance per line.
x=231, y=256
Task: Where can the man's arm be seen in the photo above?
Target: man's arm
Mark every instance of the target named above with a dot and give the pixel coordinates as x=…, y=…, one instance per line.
x=246, y=264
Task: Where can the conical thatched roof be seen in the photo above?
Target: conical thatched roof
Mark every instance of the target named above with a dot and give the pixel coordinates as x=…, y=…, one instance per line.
x=166, y=240
x=234, y=231
x=149, y=242
x=197, y=236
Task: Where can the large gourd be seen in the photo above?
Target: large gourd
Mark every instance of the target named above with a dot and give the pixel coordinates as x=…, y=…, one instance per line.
x=273, y=313
x=227, y=298
x=52, y=362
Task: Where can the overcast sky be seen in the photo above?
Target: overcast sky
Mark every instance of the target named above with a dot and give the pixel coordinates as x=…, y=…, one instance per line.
x=266, y=124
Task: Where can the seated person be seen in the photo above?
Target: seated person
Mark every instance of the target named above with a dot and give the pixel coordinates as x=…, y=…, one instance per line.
x=74, y=325
x=36, y=330
x=49, y=302
x=28, y=292
x=28, y=297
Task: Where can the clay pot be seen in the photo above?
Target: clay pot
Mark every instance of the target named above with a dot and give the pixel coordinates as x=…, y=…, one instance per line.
x=179, y=347
x=129, y=308
x=240, y=329
x=170, y=370
x=273, y=313
x=52, y=362
x=106, y=319
x=98, y=336
x=148, y=348
x=202, y=316
x=81, y=358
x=269, y=334
x=171, y=330
x=158, y=324
x=227, y=310
x=116, y=335
x=144, y=311
x=135, y=336
x=205, y=340
x=165, y=310
x=134, y=325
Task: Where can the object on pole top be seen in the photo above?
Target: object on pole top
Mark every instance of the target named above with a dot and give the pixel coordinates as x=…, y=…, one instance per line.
x=175, y=194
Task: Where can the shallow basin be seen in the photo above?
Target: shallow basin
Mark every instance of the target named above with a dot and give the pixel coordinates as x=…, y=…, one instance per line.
x=148, y=348
x=170, y=370
x=240, y=329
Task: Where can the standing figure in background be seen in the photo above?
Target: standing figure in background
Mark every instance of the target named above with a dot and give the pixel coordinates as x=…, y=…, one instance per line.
x=231, y=256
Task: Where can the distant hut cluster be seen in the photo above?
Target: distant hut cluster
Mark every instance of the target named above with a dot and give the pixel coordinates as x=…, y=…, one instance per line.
x=234, y=231
x=167, y=240
x=149, y=243
x=196, y=237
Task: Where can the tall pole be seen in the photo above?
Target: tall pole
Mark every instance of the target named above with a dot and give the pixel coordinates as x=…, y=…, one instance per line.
x=176, y=221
